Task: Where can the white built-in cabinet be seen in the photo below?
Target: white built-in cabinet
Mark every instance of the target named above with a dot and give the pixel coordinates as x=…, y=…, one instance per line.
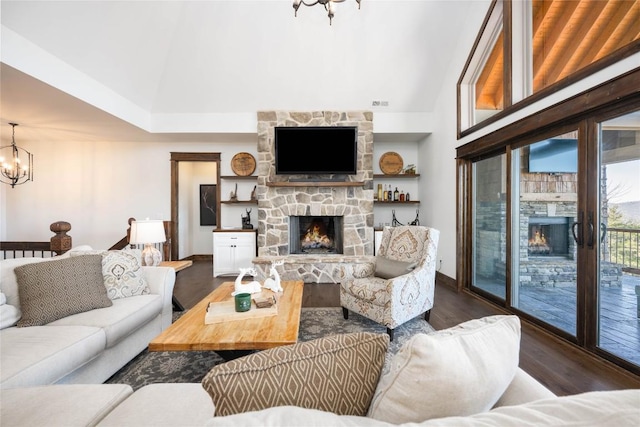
x=233, y=250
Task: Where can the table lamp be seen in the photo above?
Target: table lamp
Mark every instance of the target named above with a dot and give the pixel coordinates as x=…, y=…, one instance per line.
x=148, y=232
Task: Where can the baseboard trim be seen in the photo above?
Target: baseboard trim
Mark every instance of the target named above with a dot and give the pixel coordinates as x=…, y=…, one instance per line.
x=198, y=258
x=443, y=279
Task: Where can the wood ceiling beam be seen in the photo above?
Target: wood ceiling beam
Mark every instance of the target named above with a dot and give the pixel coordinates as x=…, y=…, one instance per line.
x=626, y=30
x=546, y=43
x=583, y=19
x=613, y=13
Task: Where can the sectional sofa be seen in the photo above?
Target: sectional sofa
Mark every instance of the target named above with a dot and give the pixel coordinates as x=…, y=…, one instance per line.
x=463, y=376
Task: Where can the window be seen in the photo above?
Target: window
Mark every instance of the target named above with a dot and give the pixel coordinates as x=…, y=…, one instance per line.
x=562, y=41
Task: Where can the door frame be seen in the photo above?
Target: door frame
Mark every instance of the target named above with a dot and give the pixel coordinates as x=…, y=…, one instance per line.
x=175, y=159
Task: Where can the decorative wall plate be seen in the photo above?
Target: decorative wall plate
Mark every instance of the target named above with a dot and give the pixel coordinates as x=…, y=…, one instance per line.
x=243, y=164
x=391, y=163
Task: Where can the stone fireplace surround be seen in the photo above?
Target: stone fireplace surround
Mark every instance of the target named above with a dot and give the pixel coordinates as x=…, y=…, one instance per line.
x=279, y=197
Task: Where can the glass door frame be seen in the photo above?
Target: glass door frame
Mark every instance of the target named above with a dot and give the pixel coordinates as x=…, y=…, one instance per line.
x=583, y=112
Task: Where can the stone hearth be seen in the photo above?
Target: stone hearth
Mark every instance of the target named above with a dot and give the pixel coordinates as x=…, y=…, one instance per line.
x=279, y=198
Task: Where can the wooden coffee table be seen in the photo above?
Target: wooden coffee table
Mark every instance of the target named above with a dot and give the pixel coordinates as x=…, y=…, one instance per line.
x=189, y=332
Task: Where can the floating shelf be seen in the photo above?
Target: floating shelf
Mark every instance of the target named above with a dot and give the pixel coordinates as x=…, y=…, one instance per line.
x=410, y=202
x=400, y=175
x=316, y=184
x=239, y=202
x=248, y=177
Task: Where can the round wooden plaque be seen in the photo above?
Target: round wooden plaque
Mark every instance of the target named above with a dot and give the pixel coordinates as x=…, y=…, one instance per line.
x=391, y=163
x=243, y=164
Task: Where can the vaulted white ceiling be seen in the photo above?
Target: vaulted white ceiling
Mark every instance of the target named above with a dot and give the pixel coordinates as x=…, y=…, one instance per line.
x=200, y=67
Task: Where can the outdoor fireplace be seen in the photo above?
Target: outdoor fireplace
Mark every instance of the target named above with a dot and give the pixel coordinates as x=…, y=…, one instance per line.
x=315, y=234
x=548, y=237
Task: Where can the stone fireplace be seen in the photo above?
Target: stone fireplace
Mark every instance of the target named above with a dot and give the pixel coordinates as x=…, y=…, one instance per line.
x=317, y=235
x=549, y=237
x=284, y=200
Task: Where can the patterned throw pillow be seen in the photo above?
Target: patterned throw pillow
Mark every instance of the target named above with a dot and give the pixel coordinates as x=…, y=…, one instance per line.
x=123, y=276
x=338, y=373
x=52, y=290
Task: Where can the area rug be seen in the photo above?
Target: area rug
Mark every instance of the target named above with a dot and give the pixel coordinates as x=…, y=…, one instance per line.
x=191, y=367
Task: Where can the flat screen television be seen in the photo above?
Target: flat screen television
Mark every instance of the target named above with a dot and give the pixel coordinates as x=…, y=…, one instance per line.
x=555, y=155
x=316, y=150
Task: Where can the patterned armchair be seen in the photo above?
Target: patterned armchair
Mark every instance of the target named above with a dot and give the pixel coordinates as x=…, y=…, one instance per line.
x=395, y=300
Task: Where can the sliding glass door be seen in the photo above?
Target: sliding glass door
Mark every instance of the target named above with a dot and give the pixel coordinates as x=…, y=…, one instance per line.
x=490, y=225
x=618, y=290
x=544, y=197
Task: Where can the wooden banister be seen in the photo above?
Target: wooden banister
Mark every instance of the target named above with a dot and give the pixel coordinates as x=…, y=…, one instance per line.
x=60, y=243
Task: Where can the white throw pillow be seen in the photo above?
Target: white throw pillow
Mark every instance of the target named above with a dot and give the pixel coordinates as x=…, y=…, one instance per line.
x=123, y=276
x=454, y=372
x=9, y=315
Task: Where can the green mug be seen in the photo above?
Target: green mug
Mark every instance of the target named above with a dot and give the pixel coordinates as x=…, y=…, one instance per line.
x=243, y=302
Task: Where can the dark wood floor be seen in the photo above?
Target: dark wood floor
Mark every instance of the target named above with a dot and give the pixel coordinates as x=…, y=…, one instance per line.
x=562, y=367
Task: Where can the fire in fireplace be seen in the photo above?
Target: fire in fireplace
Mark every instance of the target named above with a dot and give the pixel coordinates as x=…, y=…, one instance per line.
x=315, y=234
x=548, y=236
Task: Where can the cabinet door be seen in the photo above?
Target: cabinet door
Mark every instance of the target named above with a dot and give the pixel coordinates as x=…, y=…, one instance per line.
x=245, y=251
x=223, y=255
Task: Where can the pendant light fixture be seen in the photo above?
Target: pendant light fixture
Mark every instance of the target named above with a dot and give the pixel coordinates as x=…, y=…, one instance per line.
x=329, y=6
x=16, y=164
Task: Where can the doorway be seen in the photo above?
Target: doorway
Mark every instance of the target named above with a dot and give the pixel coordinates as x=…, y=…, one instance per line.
x=176, y=158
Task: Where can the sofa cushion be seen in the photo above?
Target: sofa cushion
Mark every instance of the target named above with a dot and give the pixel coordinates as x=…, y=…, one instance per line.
x=458, y=371
x=158, y=405
x=388, y=268
x=124, y=317
x=122, y=275
x=56, y=289
x=337, y=373
x=45, y=354
x=618, y=408
x=61, y=405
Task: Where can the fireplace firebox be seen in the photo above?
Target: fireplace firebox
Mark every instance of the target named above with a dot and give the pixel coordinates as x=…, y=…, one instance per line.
x=549, y=236
x=315, y=234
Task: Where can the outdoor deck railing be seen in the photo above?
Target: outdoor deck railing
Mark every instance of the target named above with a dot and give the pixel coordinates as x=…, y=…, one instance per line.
x=623, y=247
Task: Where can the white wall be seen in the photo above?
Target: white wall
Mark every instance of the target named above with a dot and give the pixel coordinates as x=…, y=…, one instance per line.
x=97, y=186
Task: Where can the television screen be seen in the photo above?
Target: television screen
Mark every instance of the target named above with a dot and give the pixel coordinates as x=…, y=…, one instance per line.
x=316, y=150
x=554, y=155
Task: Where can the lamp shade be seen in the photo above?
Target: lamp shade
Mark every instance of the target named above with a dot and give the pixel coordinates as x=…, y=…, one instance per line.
x=147, y=231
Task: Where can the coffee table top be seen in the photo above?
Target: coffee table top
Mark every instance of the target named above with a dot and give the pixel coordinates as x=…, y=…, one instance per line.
x=189, y=332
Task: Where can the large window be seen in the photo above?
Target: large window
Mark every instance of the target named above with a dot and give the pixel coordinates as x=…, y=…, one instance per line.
x=536, y=47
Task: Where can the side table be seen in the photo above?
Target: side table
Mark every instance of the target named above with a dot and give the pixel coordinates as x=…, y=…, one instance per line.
x=177, y=266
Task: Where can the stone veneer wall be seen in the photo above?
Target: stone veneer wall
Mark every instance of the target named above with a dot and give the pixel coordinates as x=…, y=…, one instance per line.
x=277, y=203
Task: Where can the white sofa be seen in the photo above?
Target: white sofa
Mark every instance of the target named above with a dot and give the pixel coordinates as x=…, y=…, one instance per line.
x=83, y=348
x=278, y=387
x=525, y=403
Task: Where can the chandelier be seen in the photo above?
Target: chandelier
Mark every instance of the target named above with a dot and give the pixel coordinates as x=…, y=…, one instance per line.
x=329, y=6
x=13, y=169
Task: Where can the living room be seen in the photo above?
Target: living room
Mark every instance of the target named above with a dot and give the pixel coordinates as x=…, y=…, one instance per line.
x=102, y=113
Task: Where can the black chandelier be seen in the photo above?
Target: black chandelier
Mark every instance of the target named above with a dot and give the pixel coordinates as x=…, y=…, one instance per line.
x=13, y=169
x=329, y=6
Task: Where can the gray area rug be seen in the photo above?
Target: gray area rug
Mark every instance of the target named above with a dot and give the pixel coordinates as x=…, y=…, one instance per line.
x=191, y=367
